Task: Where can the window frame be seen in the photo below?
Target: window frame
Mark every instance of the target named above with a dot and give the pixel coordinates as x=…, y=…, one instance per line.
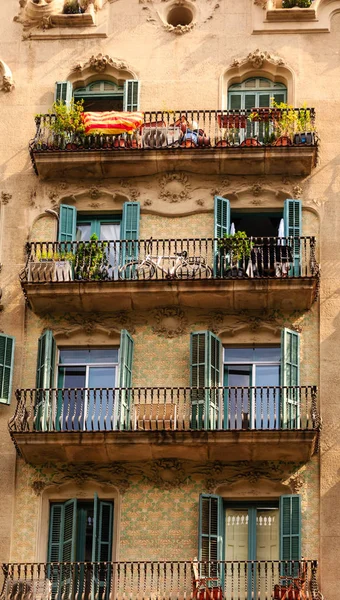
x=95, y=220
x=256, y=90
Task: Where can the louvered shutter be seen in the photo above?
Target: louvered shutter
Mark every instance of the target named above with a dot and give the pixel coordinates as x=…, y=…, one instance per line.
x=55, y=545
x=125, y=379
x=205, y=372
x=290, y=533
x=44, y=379
x=7, y=344
x=63, y=92
x=129, y=234
x=292, y=216
x=210, y=534
x=221, y=227
x=67, y=223
x=131, y=95
x=290, y=379
x=101, y=545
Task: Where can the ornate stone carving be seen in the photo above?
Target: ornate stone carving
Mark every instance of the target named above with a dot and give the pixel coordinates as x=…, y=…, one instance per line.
x=174, y=187
x=110, y=325
x=257, y=188
x=94, y=192
x=257, y=58
x=100, y=64
x=169, y=322
x=261, y=3
x=7, y=83
x=297, y=191
x=164, y=473
x=155, y=13
x=296, y=482
x=5, y=197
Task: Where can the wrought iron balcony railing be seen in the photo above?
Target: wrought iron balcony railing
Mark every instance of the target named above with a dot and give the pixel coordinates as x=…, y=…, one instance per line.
x=134, y=409
x=171, y=259
x=177, y=580
x=188, y=129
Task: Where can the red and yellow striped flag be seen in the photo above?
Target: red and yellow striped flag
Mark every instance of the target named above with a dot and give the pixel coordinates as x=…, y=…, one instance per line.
x=112, y=122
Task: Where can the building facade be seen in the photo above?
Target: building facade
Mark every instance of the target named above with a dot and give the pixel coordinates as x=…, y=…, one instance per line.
x=168, y=340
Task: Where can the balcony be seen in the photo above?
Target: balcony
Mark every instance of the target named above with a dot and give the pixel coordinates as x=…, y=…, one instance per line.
x=90, y=425
x=162, y=580
x=92, y=276
x=199, y=141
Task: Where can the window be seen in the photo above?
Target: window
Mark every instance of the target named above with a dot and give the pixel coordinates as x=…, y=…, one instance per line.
x=263, y=225
x=74, y=226
x=80, y=532
x=83, y=389
x=7, y=345
x=255, y=93
x=101, y=95
x=244, y=370
x=249, y=531
x=237, y=387
x=87, y=369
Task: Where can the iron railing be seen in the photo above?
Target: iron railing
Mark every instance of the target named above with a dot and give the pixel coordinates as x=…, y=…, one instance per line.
x=161, y=580
x=167, y=408
x=186, y=129
x=188, y=258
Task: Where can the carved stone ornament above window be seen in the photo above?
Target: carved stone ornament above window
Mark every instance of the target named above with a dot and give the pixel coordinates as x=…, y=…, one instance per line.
x=257, y=58
x=6, y=78
x=102, y=63
x=179, y=16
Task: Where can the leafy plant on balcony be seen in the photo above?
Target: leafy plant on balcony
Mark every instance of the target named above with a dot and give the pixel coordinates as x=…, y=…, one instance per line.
x=296, y=3
x=42, y=255
x=91, y=259
x=67, y=120
x=237, y=245
x=73, y=7
x=289, y=120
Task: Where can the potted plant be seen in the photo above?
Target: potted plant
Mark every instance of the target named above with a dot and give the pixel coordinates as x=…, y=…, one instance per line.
x=50, y=265
x=73, y=7
x=235, y=248
x=296, y=3
x=67, y=123
x=91, y=260
x=293, y=125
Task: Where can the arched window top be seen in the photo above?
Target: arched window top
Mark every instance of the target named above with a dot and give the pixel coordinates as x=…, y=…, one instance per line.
x=257, y=83
x=99, y=89
x=255, y=92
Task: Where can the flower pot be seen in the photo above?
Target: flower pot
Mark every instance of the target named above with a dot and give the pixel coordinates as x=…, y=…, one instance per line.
x=222, y=144
x=283, y=140
x=303, y=139
x=250, y=142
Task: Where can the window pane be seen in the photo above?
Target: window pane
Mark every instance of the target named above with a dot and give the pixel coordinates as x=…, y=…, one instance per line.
x=267, y=536
x=83, y=232
x=84, y=357
x=271, y=354
x=238, y=354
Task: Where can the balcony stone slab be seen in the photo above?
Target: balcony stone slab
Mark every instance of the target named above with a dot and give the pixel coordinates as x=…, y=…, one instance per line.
x=233, y=294
x=105, y=447
x=294, y=160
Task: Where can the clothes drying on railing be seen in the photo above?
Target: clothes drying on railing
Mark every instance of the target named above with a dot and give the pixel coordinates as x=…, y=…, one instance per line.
x=112, y=122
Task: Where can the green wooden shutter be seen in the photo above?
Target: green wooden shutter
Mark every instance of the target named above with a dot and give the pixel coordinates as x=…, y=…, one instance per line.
x=205, y=372
x=290, y=379
x=67, y=223
x=63, y=92
x=292, y=216
x=290, y=533
x=131, y=95
x=210, y=534
x=221, y=227
x=101, y=544
x=125, y=379
x=130, y=233
x=45, y=378
x=7, y=344
x=70, y=531
x=54, y=553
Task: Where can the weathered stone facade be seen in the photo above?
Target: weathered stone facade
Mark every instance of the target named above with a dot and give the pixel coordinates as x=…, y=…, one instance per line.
x=179, y=67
